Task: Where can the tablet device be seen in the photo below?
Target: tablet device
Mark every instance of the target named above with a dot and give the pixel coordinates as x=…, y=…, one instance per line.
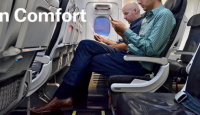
x=93, y=32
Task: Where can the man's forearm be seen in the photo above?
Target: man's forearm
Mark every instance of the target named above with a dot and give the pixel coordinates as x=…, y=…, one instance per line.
x=110, y=42
x=121, y=46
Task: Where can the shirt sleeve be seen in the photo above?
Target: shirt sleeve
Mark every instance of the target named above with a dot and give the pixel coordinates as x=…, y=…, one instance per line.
x=161, y=30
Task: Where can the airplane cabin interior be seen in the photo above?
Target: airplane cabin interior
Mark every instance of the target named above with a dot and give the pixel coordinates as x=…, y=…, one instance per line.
x=35, y=56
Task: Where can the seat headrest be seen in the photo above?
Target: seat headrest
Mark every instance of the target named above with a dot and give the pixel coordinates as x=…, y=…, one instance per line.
x=175, y=6
x=194, y=20
x=172, y=4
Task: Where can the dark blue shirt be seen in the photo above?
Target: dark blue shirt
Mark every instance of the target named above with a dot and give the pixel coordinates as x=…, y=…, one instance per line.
x=135, y=27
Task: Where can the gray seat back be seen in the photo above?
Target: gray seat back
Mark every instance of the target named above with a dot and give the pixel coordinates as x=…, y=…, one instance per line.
x=76, y=32
x=70, y=27
x=15, y=76
x=80, y=32
x=60, y=49
x=177, y=7
x=5, y=6
x=10, y=41
x=36, y=34
x=193, y=38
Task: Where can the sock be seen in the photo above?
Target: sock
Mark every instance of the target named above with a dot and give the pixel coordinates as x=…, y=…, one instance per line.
x=64, y=91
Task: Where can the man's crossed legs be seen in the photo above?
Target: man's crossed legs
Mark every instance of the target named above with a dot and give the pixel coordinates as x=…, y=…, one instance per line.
x=90, y=56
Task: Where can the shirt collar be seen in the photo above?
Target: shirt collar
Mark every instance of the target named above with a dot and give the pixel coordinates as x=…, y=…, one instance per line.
x=135, y=22
x=156, y=10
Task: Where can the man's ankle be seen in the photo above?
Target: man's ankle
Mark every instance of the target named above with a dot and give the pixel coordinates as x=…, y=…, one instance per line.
x=64, y=91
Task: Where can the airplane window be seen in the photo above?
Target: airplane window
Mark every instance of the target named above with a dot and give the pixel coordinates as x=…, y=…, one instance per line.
x=102, y=26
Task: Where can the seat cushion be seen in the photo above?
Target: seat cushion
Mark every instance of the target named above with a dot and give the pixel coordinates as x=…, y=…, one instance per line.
x=175, y=67
x=149, y=104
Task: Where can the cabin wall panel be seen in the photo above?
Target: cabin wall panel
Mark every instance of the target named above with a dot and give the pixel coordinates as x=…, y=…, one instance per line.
x=82, y=6
x=198, y=7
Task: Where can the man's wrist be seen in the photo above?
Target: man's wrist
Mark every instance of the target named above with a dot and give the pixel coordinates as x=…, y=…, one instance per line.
x=124, y=29
x=105, y=40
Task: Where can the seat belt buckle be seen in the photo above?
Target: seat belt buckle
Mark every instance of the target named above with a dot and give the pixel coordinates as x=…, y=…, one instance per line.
x=180, y=96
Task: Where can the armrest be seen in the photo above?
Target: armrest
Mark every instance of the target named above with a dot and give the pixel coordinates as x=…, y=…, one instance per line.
x=184, y=52
x=158, y=60
x=60, y=45
x=12, y=51
x=44, y=59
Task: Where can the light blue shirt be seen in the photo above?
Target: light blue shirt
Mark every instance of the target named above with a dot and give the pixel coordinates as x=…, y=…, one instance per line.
x=153, y=36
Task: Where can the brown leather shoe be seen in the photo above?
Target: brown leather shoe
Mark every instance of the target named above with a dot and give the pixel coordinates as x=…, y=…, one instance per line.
x=53, y=104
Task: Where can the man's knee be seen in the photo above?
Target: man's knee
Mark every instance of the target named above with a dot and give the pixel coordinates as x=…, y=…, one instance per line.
x=85, y=43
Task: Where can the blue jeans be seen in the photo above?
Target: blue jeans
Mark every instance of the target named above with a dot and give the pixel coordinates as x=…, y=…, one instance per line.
x=92, y=56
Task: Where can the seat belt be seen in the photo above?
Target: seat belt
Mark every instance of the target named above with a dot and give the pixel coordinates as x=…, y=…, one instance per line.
x=187, y=100
x=181, y=95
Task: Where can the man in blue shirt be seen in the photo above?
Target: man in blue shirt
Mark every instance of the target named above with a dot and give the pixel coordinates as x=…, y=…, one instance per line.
x=92, y=56
x=132, y=15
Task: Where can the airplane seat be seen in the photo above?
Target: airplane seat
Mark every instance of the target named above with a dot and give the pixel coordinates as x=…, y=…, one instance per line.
x=80, y=35
x=175, y=7
x=63, y=5
x=152, y=81
x=80, y=30
x=73, y=37
x=36, y=66
x=177, y=67
x=63, y=44
x=7, y=40
x=9, y=84
x=22, y=42
x=45, y=69
x=68, y=38
x=164, y=103
x=77, y=32
x=64, y=58
x=59, y=50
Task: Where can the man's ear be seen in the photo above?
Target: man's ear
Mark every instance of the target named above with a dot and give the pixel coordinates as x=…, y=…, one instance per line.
x=135, y=11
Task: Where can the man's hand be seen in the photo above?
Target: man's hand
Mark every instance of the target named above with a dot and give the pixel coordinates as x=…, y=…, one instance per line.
x=119, y=27
x=100, y=38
